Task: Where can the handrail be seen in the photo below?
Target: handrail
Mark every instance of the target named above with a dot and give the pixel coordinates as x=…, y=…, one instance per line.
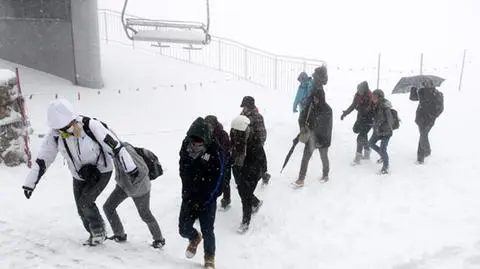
x=223, y=39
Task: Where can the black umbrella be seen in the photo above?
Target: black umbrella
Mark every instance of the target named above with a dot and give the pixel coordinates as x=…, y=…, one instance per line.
x=406, y=83
x=290, y=152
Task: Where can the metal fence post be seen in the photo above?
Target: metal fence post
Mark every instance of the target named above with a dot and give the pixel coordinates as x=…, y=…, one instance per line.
x=245, y=62
x=378, y=69
x=219, y=55
x=421, y=63
x=105, y=25
x=461, y=71
x=275, y=76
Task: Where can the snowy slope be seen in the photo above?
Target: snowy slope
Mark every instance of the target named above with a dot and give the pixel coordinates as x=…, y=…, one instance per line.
x=417, y=217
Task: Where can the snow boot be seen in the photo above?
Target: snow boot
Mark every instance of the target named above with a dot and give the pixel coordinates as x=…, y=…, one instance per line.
x=243, y=228
x=209, y=262
x=384, y=171
x=358, y=157
x=192, y=246
x=256, y=208
x=324, y=178
x=158, y=243
x=266, y=178
x=97, y=237
x=366, y=154
x=225, y=204
x=298, y=183
x=118, y=238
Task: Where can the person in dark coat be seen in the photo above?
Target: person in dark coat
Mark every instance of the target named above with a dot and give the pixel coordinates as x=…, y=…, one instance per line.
x=428, y=110
x=201, y=170
x=247, y=167
x=362, y=102
x=382, y=127
x=317, y=120
x=223, y=140
x=259, y=133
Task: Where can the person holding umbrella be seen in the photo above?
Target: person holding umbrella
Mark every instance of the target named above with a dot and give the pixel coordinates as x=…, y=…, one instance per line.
x=317, y=134
x=362, y=102
x=430, y=106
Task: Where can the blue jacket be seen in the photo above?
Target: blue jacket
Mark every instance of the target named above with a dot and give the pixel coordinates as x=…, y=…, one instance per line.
x=303, y=93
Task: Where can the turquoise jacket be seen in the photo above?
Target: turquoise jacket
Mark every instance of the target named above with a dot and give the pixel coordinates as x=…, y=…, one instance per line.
x=303, y=93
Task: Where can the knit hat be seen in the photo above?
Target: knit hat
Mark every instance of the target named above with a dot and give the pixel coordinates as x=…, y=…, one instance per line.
x=248, y=102
x=60, y=114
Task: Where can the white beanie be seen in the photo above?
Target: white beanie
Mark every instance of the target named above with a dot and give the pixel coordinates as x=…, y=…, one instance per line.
x=240, y=123
x=60, y=114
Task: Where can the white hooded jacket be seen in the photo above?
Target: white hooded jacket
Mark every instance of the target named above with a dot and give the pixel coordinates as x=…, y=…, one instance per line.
x=83, y=149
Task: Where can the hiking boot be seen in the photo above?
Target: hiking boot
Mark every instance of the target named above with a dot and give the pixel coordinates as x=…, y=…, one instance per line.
x=299, y=182
x=384, y=171
x=97, y=237
x=358, y=157
x=366, y=154
x=158, y=243
x=192, y=246
x=266, y=178
x=224, y=203
x=257, y=207
x=209, y=262
x=324, y=178
x=243, y=228
x=118, y=238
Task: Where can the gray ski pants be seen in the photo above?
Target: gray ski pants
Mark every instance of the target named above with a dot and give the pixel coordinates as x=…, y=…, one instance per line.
x=143, y=206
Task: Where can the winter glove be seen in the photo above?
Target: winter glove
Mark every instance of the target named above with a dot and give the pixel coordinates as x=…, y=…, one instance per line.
x=27, y=192
x=343, y=115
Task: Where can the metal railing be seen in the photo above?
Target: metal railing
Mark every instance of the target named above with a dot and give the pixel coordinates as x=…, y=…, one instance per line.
x=255, y=65
x=281, y=72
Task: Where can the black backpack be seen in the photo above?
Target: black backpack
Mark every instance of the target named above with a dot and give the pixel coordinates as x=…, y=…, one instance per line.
x=438, y=103
x=396, y=120
x=154, y=167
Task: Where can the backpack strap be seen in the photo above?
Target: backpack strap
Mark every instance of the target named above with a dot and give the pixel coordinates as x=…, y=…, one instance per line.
x=69, y=153
x=88, y=131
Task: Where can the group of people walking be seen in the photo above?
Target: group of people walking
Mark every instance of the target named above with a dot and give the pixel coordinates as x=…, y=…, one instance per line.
x=374, y=112
x=208, y=157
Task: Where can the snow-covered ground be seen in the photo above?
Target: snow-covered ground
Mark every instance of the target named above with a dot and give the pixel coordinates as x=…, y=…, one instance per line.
x=417, y=217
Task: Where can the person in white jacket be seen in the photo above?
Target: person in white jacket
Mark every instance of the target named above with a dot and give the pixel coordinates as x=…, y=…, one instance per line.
x=88, y=147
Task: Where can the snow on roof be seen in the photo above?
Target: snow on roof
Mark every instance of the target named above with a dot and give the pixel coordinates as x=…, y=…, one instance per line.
x=7, y=76
x=173, y=36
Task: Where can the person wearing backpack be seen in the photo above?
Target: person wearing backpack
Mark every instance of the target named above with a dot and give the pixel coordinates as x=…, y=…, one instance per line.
x=247, y=167
x=223, y=141
x=362, y=102
x=382, y=128
x=138, y=188
x=87, y=149
x=201, y=168
x=430, y=106
x=303, y=92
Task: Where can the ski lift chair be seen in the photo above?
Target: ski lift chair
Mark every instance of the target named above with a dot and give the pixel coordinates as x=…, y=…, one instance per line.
x=167, y=31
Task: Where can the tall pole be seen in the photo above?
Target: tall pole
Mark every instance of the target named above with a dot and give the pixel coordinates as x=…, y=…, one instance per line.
x=461, y=71
x=378, y=70
x=421, y=63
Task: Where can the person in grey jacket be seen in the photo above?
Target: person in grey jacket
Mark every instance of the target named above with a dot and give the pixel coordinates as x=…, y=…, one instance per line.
x=382, y=127
x=138, y=187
